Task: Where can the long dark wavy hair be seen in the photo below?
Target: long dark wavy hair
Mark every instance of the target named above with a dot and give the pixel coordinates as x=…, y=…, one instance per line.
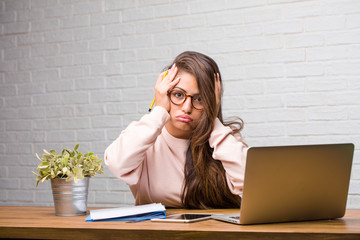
x=205, y=183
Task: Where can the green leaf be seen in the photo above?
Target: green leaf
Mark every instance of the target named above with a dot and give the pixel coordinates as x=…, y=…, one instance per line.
x=37, y=156
x=76, y=147
x=53, y=152
x=43, y=179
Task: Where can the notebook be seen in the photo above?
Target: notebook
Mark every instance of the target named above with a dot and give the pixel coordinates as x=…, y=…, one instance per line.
x=131, y=214
x=294, y=183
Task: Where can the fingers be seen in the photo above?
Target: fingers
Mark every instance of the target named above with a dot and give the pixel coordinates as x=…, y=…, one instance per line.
x=174, y=83
x=217, y=79
x=217, y=88
x=168, y=76
x=171, y=73
x=167, y=80
x=217, y=83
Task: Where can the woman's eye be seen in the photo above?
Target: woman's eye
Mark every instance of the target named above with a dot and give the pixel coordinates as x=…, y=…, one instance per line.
x=197, y=99
x=178, y=94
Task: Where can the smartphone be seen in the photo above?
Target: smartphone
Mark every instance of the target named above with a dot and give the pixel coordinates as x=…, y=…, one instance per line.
x=184, y=217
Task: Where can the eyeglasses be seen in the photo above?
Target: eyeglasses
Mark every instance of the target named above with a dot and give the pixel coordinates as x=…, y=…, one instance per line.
x=178, y=97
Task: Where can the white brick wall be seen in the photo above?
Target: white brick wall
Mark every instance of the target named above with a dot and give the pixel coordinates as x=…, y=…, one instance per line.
x=81, y=71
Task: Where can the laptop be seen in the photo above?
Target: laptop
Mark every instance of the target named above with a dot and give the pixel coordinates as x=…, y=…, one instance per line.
x=294, y=183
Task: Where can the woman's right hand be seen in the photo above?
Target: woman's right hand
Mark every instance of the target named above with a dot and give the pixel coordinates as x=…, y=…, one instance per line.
x=163, y=85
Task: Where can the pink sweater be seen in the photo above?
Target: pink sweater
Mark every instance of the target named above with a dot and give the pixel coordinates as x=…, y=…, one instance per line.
x=151, y=161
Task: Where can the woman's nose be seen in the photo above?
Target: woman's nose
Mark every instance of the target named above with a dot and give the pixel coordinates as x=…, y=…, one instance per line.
x=187, y=107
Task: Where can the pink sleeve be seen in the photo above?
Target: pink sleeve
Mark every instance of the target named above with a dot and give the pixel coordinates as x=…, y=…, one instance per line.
x=124, y=157
x=232, y=153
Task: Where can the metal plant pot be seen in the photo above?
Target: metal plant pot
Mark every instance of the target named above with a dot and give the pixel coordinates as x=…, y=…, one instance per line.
x=70, y=198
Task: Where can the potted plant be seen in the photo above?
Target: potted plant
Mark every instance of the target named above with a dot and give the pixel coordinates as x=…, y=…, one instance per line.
x=69, y=173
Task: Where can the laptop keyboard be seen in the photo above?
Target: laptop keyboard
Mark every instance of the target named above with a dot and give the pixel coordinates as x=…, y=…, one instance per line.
x=236, y=217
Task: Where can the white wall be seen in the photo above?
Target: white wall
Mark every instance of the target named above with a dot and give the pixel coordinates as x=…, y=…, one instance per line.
x=80, y=71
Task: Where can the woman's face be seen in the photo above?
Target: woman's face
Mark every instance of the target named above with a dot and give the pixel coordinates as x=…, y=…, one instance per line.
x=184, y=117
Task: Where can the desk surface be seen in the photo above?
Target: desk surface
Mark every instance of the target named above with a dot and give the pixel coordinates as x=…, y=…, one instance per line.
x=41, y=223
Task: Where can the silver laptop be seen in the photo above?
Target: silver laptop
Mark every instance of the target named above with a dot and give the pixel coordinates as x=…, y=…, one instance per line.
x=294, y=183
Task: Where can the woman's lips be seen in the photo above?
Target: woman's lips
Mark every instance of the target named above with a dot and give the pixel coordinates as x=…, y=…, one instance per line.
x=184, y=118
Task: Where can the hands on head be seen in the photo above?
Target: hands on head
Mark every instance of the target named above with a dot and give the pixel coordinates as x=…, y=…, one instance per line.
x=163, y=85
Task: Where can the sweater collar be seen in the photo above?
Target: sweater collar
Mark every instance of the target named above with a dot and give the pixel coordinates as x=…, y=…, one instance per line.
x=173, y=141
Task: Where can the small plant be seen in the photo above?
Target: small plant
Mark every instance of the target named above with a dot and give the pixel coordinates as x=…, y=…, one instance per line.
x=72, y=165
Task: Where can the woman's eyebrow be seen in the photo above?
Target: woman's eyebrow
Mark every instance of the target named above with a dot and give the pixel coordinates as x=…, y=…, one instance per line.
x=186, y=91
x=181, y=89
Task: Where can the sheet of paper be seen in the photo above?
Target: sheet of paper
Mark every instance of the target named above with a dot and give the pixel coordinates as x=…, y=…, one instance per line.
x=100, y=214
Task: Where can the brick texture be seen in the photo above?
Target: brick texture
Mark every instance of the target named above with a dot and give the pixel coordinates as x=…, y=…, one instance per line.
x=81, y=71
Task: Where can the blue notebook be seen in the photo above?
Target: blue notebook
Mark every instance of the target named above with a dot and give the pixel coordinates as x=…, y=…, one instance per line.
x=133, y=213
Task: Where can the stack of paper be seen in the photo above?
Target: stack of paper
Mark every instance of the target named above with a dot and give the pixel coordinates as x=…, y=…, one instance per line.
x=134, y=213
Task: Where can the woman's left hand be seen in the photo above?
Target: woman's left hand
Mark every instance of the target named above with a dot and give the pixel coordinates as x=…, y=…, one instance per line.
x=217, y=91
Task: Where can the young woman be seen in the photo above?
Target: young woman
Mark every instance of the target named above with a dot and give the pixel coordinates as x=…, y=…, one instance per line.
x=182, y=154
